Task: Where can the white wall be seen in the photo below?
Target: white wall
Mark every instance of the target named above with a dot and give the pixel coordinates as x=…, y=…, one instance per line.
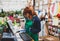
x=9, y=5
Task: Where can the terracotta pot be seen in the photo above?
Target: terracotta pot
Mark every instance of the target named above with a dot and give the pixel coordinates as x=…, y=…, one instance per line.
x=58, y=15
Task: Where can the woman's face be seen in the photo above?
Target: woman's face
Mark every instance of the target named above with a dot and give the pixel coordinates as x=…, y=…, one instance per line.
x=26, y=15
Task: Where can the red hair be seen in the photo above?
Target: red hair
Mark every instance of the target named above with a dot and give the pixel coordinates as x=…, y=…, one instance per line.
x=27, y=10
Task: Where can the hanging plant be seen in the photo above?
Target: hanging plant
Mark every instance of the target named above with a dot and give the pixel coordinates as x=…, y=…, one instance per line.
x=2, y=11
x=16, y=12
x=20, y=12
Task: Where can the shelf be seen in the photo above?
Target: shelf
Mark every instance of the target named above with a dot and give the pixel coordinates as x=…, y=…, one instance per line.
x=55, y=26
x=54, y=30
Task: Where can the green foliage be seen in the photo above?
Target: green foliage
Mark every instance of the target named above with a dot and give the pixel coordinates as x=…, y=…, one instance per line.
x=18, y=12
x=3, y=13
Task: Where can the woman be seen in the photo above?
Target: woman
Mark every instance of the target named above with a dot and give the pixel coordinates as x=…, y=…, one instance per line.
x=29, y=16
x=29, y=22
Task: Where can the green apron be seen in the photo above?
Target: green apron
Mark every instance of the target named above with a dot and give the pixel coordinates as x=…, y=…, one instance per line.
x=28, y=24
